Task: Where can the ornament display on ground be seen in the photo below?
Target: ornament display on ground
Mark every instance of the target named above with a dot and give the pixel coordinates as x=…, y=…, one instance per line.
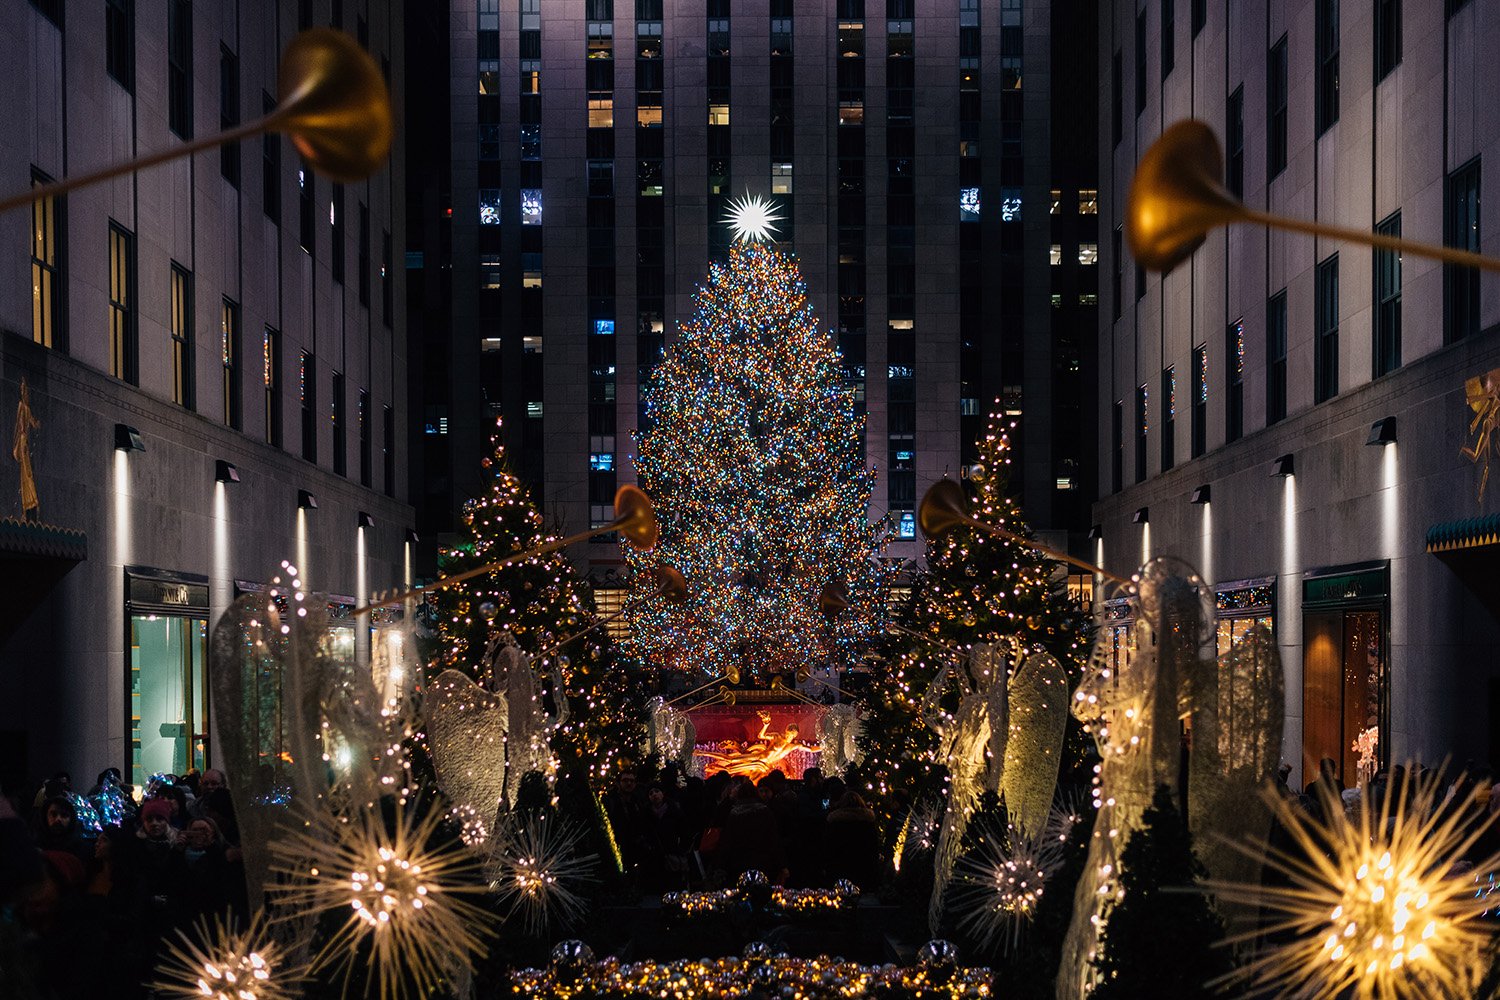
x=754, y=459
x=1377, y=905
x=537, y=872
x=812, y=901
x=218, y=960
x=411, y=904
x=938, y=976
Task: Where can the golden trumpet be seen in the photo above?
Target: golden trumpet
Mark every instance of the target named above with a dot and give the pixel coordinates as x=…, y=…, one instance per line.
x=1177, y=197
x=943, y=509
x=634, y=519
x=332, y=103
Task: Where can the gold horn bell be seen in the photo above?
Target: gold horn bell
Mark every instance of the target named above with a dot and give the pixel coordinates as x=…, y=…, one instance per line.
x=1176, y=197
x=942, y=509
x=333, y=105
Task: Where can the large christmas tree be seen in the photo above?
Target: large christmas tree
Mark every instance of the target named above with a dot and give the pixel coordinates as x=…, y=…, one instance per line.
x=755, y=464
x=977, y=588
x=540, y=600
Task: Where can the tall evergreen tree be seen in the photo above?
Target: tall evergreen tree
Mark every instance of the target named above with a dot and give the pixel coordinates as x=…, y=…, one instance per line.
x=976, y=588
x=1159, y=940
x=755, y=465
x=540, y=600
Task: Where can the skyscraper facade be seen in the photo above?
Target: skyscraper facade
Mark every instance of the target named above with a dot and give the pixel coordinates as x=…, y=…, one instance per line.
x=1291, y=414
x=206, y=360
x=944, y=224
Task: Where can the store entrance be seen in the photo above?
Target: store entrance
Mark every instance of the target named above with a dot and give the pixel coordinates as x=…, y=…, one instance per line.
x=167, y=675
x=1344, y=667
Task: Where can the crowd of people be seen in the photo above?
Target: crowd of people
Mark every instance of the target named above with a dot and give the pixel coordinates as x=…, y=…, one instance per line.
x=679, y=833
x=115, y=876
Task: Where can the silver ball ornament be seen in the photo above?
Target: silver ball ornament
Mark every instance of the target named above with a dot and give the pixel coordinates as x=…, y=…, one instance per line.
x=571, y=954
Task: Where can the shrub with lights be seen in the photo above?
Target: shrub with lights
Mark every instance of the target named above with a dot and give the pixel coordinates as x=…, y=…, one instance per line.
x=755, y=463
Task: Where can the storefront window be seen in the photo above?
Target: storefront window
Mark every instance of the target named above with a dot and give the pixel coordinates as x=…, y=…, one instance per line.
x=168, y=695
x=1345, y=618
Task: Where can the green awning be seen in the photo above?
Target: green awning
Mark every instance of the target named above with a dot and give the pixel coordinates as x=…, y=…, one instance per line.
x=1467, y=534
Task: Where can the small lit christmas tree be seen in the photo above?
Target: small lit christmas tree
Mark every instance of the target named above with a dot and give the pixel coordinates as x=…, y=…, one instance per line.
x=977, y=588
x=755, y=465
x=540, y=600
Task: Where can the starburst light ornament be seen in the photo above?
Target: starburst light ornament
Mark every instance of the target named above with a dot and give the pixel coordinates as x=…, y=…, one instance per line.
x=1000, y=884
x=538, y=872
x=751, y=218
x=220, y=961
x=405, y=900
x=1377, y=906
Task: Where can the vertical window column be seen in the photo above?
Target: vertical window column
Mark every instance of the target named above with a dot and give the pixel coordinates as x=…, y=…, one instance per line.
x=783, y=106
x=901, y=264
x=602, y=354
x=971, y=273
x=717, y=68
x=1387, y=352
x=308, y=383
x=365, y=419
x=182, y=336
x=48, y=302
x=1142, y=426
x=230, y=358
x=1326, y=330
x=1461, y=230
x=271, y=359
x=337, y=415
x=1234, y=381
x=850, y=70
x=122, y=315
x=1200, y=400
x=1276, y=357
x=650, y=192
x=1168, y=417
x=532, y=300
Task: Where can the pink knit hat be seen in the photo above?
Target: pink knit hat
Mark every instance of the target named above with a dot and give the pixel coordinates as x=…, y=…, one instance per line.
x=156, y=807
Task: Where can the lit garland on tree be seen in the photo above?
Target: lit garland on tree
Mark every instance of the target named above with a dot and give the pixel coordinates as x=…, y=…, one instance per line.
x=978, y=588
x=755, y=465
x=541, y=601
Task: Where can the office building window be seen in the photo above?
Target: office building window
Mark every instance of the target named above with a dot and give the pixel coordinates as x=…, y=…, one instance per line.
x=1326, y=330
x=364, y=438
x=781, y=178
x=1461, y=230
x=1276, y=104
x=1234, y=171
x=52, y=10
x=1117, y=447
x=47, y=299
x=1387, y=347
x=180, y=67
x=1140, y=61
x=1088, y=202
x=270, y=167
x=122, y=319
x=1117, y=99
x=1168, y=418
x=1142, y=414
x=340, y=428
x=1234, y=381
x=336, y=222
x=307, y=213
x=229, y=113
x=388, y=449
x=1168, y=33
x=364, y=254
x=308, y=394
x=119, y=42
x=1276, y=357
x=1326, y=85
x=230, y=357
x=1117, y=258
x=1200, y=16
x=1387, y=37
x=387, y=279
x=271, y=359
x=182, y=336
x=1199, y=430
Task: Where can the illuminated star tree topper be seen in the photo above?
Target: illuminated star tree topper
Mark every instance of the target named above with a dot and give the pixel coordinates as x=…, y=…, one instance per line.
x=751, y=218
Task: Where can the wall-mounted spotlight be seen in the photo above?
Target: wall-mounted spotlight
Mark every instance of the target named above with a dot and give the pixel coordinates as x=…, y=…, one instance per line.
x=225, y=472
x=1141, y=516
x=1383, y=431
x=1096, y=532
x=1203, y=494
x=306, y=500
x=364, y=520
x=1282, y=466
x=127, y=438
x=411, y=536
